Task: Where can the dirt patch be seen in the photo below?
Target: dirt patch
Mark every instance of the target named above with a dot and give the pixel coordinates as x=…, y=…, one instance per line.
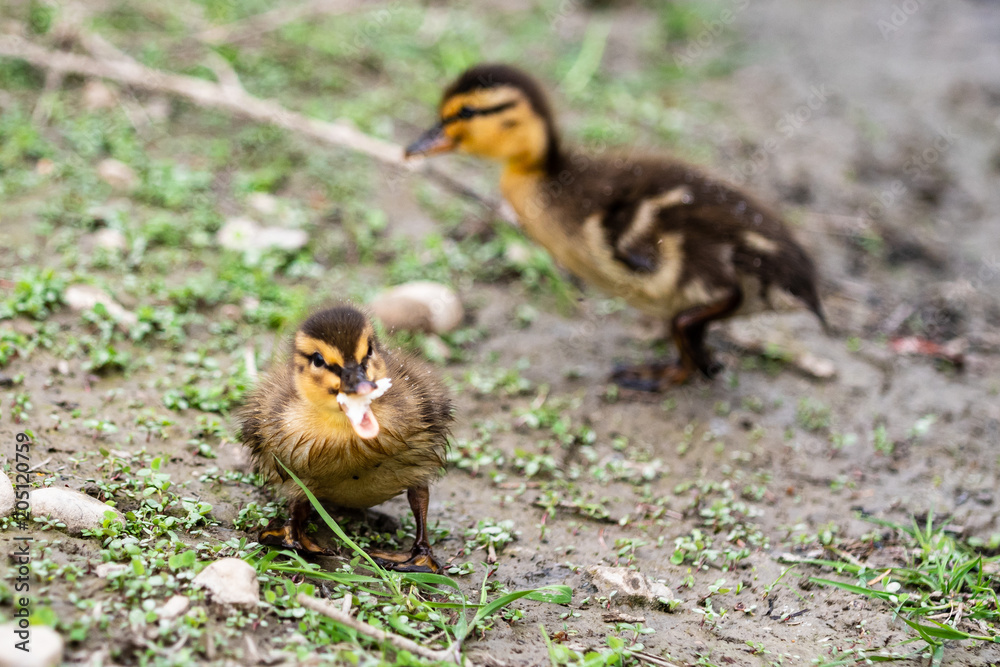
x=885, y=145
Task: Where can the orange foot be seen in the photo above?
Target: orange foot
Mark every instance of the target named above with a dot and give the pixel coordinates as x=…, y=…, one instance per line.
x=417, y=560
x=651, y=377
x=289, y=537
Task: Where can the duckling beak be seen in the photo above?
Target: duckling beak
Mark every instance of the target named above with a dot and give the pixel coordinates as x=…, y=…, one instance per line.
x=355, y=398
x=430, y=142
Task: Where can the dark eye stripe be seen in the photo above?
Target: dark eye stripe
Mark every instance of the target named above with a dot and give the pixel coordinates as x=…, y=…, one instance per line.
x=468, y=112
x=333, y=368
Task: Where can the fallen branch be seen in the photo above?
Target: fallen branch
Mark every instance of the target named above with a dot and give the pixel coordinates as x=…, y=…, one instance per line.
x=402, y=643
x=228, y=95
x=204, y=93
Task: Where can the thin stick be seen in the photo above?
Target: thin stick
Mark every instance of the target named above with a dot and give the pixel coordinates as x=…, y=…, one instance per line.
x=204, y=93
x=228, y=95
x=402, y=643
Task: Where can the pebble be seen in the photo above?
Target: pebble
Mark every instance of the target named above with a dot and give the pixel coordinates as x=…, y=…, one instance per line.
x=6, y=495
x=243, y=234
x=117, y=174
x=419, y=306
x=230, y=581
x=110, y=239
x=45, y=647
x=98, y=95
x=107, y=570
x=85, y=297
x=78, y=511
x=628, y=586
x=173, y=608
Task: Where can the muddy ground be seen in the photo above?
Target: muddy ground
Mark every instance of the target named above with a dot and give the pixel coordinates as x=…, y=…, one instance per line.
x=860, y=119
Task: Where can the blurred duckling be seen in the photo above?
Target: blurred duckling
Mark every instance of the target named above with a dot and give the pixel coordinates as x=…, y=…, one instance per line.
x=674, y=242
x=356, y=423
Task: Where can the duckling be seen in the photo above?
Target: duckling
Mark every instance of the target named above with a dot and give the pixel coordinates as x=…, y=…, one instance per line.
x=358, y=425
x=671, y=240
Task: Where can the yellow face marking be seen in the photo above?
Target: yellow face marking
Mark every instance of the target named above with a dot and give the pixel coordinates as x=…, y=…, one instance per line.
x=318, y=385
x=515, y=135
x=361, y=351
x=307, y=345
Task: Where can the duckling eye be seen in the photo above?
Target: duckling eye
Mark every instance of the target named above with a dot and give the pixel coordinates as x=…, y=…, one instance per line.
x=371, y=348
x=465, y=113
x=317, y=360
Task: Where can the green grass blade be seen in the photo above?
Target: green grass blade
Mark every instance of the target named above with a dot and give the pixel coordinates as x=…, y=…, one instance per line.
x=852, y=588
x=558, y=594
x=338, y=531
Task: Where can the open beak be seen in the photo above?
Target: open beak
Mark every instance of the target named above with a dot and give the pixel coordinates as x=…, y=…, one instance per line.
x=430, y=142
x=355, y=399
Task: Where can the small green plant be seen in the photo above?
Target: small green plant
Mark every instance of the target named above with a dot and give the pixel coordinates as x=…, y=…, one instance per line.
x=946, y=593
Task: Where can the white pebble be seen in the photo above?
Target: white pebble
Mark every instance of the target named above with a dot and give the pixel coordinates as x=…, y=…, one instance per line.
x=230, y=581
x=76, y=510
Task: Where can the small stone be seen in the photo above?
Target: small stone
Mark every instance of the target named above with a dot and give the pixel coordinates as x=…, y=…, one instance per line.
x=436, y=349
x=243, y=234
x=85, y=297
x=98, y=95
x=158, y=108
x=173, y=608
x=110, y=239
x=818, y=367
x=105, y=570
x=628, y=585
x=77, y=511
x=46, y=647
x=419, y=306
x=263, y=203
x=6, y=495
x=230, y=581
x=117, y=174
x=63, y=367
x=44, y=167
x=517, y=253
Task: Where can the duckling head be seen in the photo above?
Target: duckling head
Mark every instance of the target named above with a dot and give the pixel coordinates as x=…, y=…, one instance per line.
x=497, y=112
x=338, y=366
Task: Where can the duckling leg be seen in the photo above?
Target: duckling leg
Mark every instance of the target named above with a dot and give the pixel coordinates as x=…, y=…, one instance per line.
x=292, y=534
x=688, y=332
x=689, y=329
x=420, y=558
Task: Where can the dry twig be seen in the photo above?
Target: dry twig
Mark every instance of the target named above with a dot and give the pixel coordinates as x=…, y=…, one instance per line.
x=228, y=95
x=402, y=643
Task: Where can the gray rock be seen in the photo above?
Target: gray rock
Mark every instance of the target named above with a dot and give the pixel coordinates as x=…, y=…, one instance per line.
x=6, y=495
x=78, y=511
x=419, y=306
x=230, y=581
x=45, y=647
x=173, y=608
x=245, y=235
x=85, y=297
x=628, y=586
x=98, y=95
x=117, y=174
x=110, y=239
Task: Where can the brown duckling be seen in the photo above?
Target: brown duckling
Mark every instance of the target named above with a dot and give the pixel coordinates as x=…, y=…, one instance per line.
x=672, y=241
x=358, y=425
